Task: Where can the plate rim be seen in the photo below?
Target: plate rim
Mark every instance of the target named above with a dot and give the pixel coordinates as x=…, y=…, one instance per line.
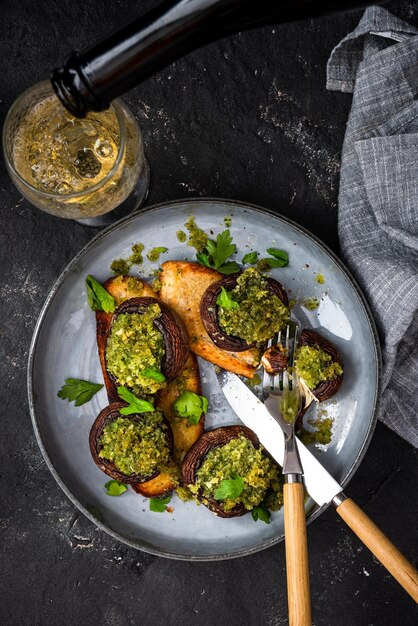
x=145, y=547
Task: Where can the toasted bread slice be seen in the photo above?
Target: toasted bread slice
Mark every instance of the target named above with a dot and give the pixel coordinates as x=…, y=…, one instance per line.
x=182, y=286
x=184, y=434
x=123, y=288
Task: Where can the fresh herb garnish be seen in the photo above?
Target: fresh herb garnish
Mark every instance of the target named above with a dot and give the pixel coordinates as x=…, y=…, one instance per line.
x=114, y=488
x=225, y=300
x=279, y=255
x=78, y=391
x=154, y=374
x=158, y=505
x=217, y=252
x=97, y=296
x=250, y=258
x=135, y=405
x=190, y=405
x=268, y=263
x=261, y=513
x=229, y=488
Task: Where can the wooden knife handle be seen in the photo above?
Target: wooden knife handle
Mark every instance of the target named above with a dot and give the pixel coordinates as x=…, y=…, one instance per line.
x=297, y=568
x=383, y=549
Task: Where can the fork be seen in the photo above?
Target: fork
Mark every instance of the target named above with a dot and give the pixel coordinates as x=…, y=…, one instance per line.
x=283, y=400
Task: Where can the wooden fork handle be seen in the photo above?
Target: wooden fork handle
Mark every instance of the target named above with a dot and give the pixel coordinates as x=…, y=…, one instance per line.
x=383, y=549
x=297, y=568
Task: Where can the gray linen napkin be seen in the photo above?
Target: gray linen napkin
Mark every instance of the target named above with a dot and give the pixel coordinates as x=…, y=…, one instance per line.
x=378, y=199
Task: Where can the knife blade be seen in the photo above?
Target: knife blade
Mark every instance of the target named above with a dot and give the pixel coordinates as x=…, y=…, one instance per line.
x=321, y=486
x=318, y=481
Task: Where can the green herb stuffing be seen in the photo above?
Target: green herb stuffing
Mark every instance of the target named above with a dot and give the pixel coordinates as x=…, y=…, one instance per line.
x=216, y=253
x=135, y=405
x=320, y=279
x=181, y=236
x=136, y=446
x=115, y=488
x=191, y=406
x=97, y=296
x=237, y=458
x=158, y=505
x=135, y=344
x=228, y=221
x=78, y=391
x=315, y=366
x=260, y=313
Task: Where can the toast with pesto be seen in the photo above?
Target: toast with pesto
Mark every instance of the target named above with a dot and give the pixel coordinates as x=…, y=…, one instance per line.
x=183, y=284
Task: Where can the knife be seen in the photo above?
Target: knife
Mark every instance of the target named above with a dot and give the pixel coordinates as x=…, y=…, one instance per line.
x=321, y=486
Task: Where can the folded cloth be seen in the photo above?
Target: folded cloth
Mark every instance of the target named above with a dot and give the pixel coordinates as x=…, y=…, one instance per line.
x=378, y=198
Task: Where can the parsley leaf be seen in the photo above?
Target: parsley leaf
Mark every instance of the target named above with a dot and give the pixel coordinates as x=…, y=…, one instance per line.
x=225, y=300
x=154, y=374
x=203, y=259
x=250, y=258
x=279, y=255
x=114, y=488
x=217, y=252
x=229, y=488
x=97, y=296
x=190, y=405
x=158, y=505
x=136, y=405
x=78, y=391
x=229, y=268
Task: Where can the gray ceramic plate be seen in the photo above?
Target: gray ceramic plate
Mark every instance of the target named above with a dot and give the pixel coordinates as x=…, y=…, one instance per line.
x=64, y=345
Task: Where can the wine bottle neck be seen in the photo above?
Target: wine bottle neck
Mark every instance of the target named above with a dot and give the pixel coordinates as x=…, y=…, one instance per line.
x=92, y=79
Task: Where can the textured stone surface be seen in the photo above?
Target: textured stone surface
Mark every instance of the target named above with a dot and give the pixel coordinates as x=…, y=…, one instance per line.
x=246, y=118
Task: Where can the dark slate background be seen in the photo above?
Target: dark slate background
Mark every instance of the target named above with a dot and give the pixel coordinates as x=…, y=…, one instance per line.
x=245, y=118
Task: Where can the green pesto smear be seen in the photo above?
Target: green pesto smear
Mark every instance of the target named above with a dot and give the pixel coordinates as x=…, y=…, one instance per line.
x=315, y=366
x=310, y=303
x=320, y=279
x=120, y=267
x=154, y=254
x=136, y=446
x=260, y=313
x=322, y=432
x=181, y=236
x=136, y=257
x=238, y=457
x=134, y=344
x=197, y=237
x=228, y=221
